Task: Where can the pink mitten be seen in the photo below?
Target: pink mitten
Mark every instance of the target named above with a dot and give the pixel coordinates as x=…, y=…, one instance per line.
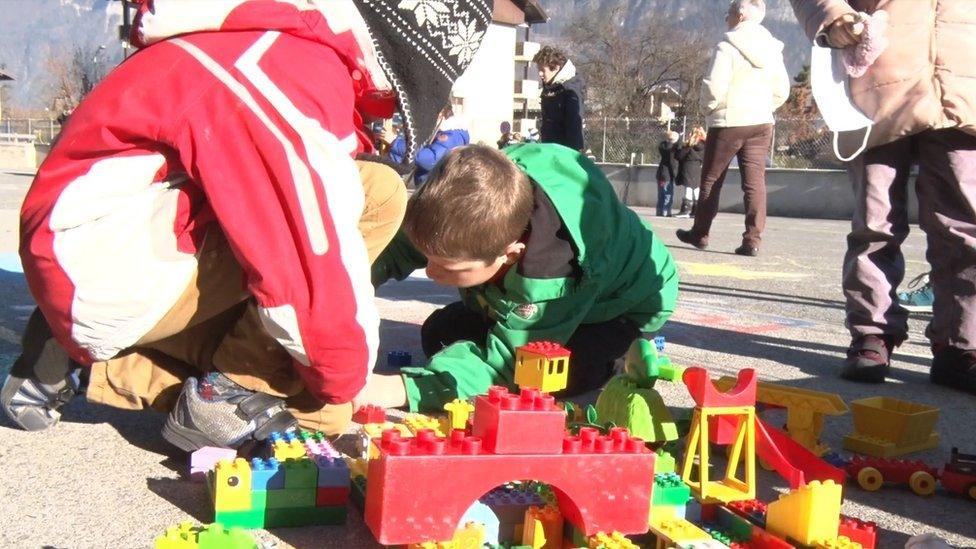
x=874, y=40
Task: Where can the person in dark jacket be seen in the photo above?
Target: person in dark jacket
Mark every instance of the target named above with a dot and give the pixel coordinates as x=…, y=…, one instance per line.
x=667, y=168
x=690, y=158
x=562, y=99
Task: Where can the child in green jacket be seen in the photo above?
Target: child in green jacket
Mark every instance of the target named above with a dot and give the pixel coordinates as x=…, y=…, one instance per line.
x=541, y=248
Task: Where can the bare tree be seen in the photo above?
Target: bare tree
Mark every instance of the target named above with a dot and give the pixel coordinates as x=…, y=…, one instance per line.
x=624, y=65
x=74, y=74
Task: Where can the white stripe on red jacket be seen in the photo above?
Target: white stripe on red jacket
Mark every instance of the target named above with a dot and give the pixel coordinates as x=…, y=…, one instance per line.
x=253, y=126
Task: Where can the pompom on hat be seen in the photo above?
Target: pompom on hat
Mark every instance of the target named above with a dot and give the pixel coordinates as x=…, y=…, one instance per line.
x=423, y=46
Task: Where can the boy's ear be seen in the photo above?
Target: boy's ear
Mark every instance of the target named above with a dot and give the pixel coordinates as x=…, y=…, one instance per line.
x=513, y=252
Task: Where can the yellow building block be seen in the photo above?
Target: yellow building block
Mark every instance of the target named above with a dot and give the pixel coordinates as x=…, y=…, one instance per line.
x=232, y=485
x=458, y=412
x=289, y=450
x=543, y=528
x=808, y=514
x=370, y=431
x=472, y=536
x=357, y=467
x=417, y=422
x=614, y=540
x=842, y=542
x=534, y=370
x=675, y=531
x=183, y=536
x=661, y=513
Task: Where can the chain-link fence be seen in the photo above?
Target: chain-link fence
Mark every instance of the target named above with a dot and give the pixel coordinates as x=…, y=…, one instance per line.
x=798, y=144
x=44, y=130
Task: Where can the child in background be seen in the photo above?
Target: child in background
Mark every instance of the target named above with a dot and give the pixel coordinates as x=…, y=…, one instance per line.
x=689, y=158
x=666, y=171
x=541, y=248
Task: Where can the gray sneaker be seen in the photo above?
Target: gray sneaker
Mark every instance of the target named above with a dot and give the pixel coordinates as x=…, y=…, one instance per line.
x=215, y=411
x=42, y=380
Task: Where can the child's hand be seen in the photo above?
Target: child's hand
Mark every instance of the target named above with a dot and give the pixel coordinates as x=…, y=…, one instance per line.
x=383, y=391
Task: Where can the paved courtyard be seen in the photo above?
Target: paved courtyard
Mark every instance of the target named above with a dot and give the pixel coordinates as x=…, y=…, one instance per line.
x=105, y=478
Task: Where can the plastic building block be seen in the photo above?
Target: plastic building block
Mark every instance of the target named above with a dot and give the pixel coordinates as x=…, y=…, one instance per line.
x=357, y=467
x=613, y=540
x=266, y=474
x=542, y=365
x=959, y=474
x=703, y=544
x=305, y=516
x=205, y=459
x=542, y=528
x=678, y=531
x=288, y=449
x=357, y=491
x=215, y=536
x=509, y=503
x=301, y=473
x=887, y=427
x=669, y=489
x=369, y=414
x=331, y=495
x=470, y=536
x=232, y=485
x=729, y=488
x=808, y=514
x=839, y=542
x=858, y=531
x=805, y=410
x=526, y=423
x=417, y=422
x=624, y=402
x=451, y=473
x=761, y=539
x=737, y=528
x=659, y=343
x=752, y=510
x=291, y=497
x=872, y=473
x=332, y=472
x=706, y=395
x=665, y=462
x=791, y=460
x=458, y=412
x=398, y=359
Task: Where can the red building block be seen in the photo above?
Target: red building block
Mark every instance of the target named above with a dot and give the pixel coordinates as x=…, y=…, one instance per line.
x=331, y=495
x=547, y=349
x=859, y=531
x=762, y=539
x=419, y=488
x=369, y=414
x=706, y=395
x=527, y=423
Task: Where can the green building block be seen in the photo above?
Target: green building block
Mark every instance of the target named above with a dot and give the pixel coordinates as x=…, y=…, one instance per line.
x=306, y=516
x=241, y=519
x=300, y=473
x=357, y=492
x=669, y=489
x=290, y=498
x=665, y=462
x=216, y=536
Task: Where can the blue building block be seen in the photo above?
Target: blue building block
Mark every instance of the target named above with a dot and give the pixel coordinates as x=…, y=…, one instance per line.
x=267, y=474
x=332, y=472
x=398, y=359
x=693, y=511
x=659, y=343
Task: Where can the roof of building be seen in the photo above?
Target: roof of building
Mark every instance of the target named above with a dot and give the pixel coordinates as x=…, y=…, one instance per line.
x=518, y=12
x=4, y=75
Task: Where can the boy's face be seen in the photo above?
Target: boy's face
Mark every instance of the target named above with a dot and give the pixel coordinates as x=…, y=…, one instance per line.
x=466, y=273
x=547, y=72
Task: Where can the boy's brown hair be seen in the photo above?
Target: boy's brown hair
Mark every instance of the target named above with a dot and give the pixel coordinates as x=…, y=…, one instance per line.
x=550, y=56
x=475, y=203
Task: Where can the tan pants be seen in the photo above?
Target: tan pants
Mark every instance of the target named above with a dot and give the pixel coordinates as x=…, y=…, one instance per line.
x=215, y=325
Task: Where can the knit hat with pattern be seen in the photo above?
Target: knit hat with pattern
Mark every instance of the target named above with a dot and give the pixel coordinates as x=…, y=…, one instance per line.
x=423, y=46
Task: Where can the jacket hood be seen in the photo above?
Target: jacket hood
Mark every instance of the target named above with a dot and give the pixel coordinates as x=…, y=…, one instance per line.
x=567, y=71
x=755, y=43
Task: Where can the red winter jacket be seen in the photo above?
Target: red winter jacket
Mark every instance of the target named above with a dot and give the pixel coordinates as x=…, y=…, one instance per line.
x=248, y=119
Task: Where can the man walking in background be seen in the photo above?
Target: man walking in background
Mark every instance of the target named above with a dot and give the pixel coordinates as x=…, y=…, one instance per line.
x=747, y=81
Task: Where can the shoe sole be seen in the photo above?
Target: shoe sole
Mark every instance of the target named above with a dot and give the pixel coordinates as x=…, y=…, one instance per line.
x=917, y=308
x=188, y=440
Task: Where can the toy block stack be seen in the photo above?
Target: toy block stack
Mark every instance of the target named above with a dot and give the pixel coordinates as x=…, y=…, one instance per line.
x=613, y=540
x=212, y=536
x=669, y=496
x=509, y=504
x=287, y=489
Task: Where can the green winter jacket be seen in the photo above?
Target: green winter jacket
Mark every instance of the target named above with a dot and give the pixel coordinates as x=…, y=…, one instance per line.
x=624, y=270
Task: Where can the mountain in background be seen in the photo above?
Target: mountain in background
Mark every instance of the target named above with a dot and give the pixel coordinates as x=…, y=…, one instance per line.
x=35, y=29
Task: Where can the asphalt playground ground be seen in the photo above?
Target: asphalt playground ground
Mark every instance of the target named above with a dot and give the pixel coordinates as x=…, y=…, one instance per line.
x=105, y=478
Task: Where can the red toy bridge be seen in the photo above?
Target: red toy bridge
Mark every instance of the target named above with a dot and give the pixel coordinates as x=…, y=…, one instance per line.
x=419, y=488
